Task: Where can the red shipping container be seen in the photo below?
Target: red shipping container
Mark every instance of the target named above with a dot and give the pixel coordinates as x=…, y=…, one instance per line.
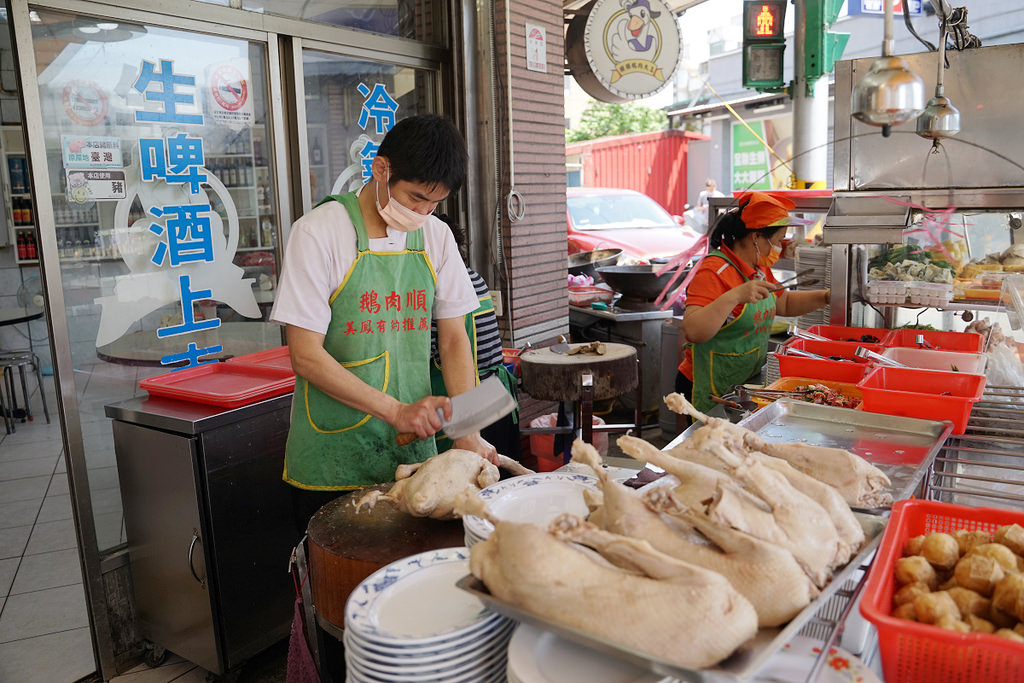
x=650, y=163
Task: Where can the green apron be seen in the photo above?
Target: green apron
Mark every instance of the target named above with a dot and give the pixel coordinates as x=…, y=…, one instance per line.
x=437, y=387
x=737, y=351
x=379, y=331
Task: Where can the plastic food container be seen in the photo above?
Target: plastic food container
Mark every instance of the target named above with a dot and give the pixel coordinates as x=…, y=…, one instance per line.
x=947, y=361
x=227, y=385
x=834, y=370
x=920, y=652
x=969, y=342
x=791, y=383
x=929, y=293
x=850, y=334
x=886, y=291
x=584, y=296
x=927, y=394
x=271, y=358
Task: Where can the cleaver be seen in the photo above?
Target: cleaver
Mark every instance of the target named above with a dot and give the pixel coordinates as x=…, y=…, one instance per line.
x=483, y=405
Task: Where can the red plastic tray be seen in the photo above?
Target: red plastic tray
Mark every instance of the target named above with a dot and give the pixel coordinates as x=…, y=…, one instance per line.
x=919, y=652
x=969, y=342
x=927, y=394
x=849, y=334
x=228, y=385
x=271, y=358
x=835, y=370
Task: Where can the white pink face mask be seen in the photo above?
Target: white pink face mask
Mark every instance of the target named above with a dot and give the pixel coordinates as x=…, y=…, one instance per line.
x=395, y=214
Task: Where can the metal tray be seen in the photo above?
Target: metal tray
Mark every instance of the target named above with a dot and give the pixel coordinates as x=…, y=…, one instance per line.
x=742, y=665
x=902, y=447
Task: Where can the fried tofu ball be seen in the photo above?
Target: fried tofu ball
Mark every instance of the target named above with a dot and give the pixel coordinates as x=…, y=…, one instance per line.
x=968, y=539
x=1009, y=635
x=970, y=602
x=913, y=546
x=1008, y=595
x=915, y=569
x=905, y=611
x=941, y=550
x=979, y=625
x=998, y=552
x=909, y=592
x=978, y=573
x=1012, y=536
x=931, y=607
x=953, y=624
x=1019, y=628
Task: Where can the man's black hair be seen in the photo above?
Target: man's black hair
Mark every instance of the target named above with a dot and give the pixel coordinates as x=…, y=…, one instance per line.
x=427, y=149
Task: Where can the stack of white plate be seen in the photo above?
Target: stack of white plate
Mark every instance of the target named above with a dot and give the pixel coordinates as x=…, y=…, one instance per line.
x=819, y=261
x=409, y=622
x=534, y=498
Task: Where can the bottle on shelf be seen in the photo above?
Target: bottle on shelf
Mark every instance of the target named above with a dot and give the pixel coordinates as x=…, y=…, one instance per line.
x=30, y=244
x=316, y=154
x=22, y=247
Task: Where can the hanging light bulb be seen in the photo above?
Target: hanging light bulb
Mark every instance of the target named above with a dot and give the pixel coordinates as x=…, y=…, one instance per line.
x=940, y=119
x=890, y=93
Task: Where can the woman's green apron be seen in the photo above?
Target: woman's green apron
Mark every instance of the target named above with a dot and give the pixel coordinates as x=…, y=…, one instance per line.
x=380, y=331
x=437, y=387
x=736, y=353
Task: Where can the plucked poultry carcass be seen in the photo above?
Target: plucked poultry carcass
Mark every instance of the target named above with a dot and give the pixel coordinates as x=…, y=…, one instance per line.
x=430, y=488
x=767, y=575
x=613, y=587
x=859, y=482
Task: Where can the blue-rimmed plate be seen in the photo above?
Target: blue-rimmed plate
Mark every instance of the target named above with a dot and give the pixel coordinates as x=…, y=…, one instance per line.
x=532, y=498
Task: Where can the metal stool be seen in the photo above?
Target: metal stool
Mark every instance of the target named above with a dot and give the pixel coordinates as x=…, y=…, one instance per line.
x=9, y=360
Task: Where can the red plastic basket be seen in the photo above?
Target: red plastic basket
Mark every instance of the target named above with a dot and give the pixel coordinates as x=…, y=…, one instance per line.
x=834, y=370
x=849, y=334
x=969, y=342
x=270, y=358
x=927, y=394
x=913, y=652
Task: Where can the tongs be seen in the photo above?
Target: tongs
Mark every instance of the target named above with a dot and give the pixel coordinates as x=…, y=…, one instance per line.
x=795, y=331
x=782, y=284
x=745, y=393
x=790, y=351
x=868, y=354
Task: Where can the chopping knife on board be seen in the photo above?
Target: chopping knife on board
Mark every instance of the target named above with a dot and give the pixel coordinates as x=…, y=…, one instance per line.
x=481, y=406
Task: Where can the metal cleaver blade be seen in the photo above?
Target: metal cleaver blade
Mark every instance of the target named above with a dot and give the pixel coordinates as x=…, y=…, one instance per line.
x=481, y=406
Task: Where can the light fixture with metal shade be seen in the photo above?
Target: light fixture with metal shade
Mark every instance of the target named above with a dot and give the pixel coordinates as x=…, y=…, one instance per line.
x=890, y=93
x=940, y=119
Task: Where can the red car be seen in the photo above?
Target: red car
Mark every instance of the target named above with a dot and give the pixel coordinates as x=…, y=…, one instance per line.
x=605, y=218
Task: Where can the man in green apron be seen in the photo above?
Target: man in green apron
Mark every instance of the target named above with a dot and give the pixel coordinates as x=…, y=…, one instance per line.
x=364, y=275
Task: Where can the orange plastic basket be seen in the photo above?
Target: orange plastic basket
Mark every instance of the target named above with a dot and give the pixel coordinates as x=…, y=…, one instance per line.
x=791, y=383
x=920, y=653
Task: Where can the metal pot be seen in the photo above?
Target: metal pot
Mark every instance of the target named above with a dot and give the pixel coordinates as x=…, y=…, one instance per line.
x=636, y=282
x=586, y=262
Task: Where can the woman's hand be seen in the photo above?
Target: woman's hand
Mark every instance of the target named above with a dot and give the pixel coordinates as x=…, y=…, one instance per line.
x=752, y=291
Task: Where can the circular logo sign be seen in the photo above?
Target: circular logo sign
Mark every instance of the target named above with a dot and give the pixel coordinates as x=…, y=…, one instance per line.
x=630, y=49
x=84, y=102
x=230, y=88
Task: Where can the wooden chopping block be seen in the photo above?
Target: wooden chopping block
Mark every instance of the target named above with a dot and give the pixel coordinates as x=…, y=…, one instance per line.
x=551, y=376
x=345, y=547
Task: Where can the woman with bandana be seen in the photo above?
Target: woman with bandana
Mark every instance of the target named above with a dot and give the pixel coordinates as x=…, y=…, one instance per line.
x=731, y=301
x=364, y=275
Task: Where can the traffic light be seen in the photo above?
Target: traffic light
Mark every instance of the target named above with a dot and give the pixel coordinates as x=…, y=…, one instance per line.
x=763, y=43
x=822, y=47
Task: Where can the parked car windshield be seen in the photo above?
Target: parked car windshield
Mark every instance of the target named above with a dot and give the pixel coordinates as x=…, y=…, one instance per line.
x=602, y=212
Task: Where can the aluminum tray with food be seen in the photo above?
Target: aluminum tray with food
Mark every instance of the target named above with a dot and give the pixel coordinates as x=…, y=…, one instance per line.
x=741, y=665
x=902, y=447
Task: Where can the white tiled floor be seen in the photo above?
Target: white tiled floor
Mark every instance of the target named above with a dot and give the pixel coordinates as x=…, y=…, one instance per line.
x=44, y=628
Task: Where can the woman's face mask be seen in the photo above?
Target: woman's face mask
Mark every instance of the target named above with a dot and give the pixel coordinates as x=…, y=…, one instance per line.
x=771, y=258
x=395, y=214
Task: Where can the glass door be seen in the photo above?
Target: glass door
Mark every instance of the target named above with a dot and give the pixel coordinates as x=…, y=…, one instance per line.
x=164, y=200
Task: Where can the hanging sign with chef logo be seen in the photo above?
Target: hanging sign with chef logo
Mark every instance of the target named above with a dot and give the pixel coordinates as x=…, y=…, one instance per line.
x=624, y=49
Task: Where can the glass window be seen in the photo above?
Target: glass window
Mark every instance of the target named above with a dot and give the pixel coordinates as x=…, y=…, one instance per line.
x=413, y=19
x=350, y=105
x=163, y=193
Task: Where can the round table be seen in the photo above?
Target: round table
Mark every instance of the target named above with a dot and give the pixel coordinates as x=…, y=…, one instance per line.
x=145, y=348
x=20, y=314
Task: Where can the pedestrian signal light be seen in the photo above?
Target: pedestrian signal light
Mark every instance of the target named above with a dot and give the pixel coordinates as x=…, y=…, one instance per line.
x=763, y=43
